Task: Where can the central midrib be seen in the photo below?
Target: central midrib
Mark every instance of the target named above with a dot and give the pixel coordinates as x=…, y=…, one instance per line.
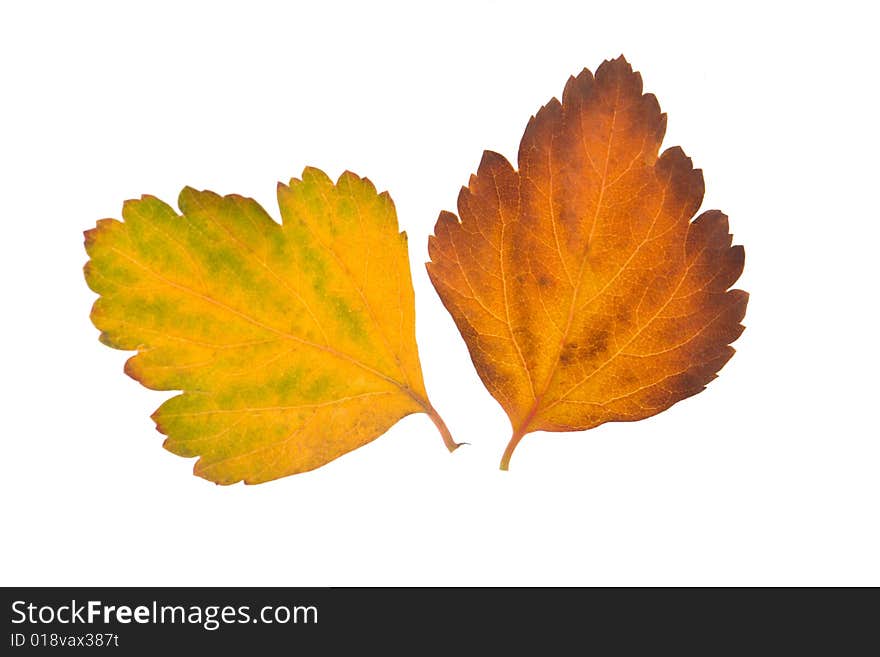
x=536, y=405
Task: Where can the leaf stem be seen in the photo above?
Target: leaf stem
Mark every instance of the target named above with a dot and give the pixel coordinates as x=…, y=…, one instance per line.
x=514, y=441
x=451, y=445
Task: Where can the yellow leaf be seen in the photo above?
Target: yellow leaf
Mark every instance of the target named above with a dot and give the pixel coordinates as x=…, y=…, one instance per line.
x=293, y=344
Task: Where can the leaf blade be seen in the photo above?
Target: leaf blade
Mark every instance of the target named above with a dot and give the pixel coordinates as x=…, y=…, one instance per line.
x=281, y=371
x=596, y=254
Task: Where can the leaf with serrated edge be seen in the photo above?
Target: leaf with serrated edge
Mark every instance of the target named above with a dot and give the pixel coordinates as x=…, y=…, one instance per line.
x=581, y=286
x=293, y=343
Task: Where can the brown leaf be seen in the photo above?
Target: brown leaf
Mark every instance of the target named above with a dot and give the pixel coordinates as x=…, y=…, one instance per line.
x=581, y=286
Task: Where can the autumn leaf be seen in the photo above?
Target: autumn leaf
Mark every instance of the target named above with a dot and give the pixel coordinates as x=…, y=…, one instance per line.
x=581, y=286
x=293, y=344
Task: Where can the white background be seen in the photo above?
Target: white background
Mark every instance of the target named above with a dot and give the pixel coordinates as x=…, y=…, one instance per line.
x=771, y=476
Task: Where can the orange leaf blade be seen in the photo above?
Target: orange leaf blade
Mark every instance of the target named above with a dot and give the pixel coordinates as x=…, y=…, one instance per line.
x=582, y=287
